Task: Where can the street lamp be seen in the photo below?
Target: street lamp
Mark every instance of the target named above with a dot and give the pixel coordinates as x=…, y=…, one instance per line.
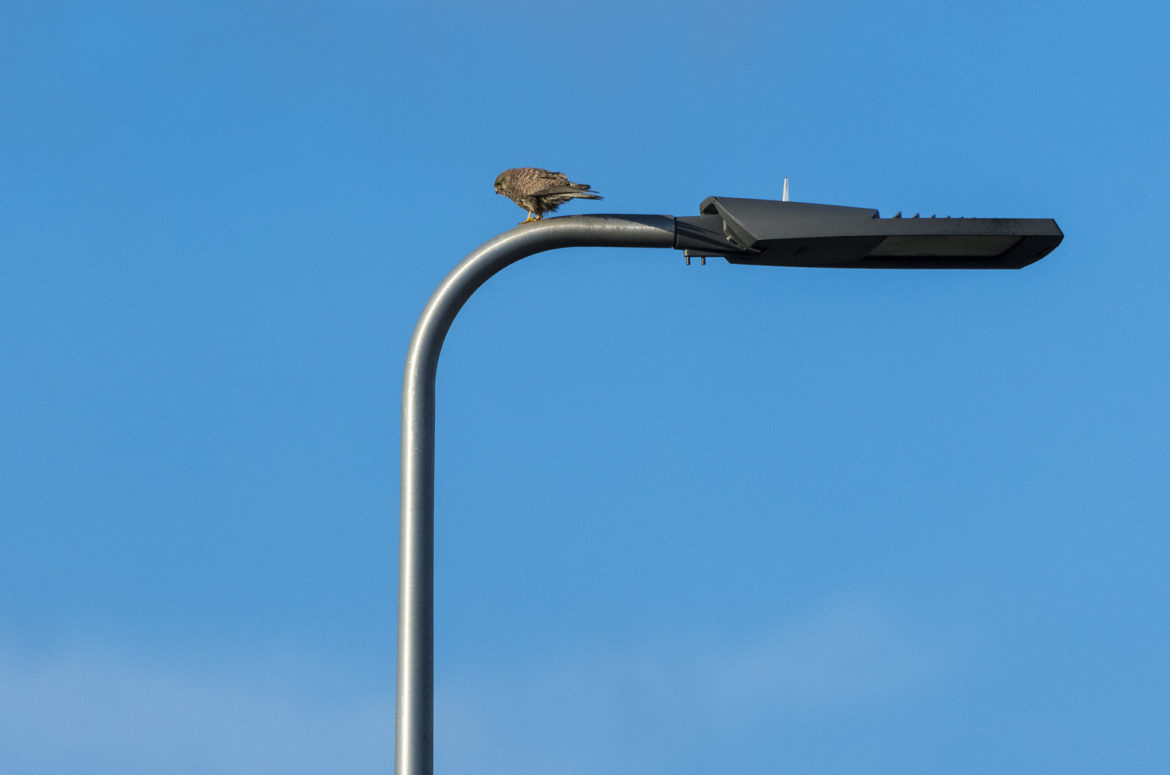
x=743, y=231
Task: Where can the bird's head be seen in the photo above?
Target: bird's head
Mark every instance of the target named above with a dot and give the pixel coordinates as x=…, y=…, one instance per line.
x=500, y=183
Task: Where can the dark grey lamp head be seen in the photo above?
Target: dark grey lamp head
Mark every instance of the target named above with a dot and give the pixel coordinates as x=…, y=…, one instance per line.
x=771, y=233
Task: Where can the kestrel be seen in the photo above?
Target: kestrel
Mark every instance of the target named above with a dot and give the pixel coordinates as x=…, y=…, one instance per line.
x=540, y=191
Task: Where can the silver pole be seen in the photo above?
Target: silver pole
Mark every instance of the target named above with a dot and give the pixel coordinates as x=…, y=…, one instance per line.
x=414, y=749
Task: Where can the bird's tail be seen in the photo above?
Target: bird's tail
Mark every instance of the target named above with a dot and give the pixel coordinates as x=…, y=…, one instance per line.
x=574, y=190
x=586, y=191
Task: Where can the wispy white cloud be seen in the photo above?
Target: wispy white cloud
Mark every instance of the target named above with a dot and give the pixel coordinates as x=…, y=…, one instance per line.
x=92, y=709
x=644, y=711
x=846, y=654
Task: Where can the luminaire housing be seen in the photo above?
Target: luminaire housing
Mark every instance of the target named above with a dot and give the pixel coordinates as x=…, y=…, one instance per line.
x=770, y=233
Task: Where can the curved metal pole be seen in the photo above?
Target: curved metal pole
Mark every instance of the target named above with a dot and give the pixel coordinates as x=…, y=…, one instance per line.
x=414, y=750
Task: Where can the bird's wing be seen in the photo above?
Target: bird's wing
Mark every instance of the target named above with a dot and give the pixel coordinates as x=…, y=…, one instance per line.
x=549, y=178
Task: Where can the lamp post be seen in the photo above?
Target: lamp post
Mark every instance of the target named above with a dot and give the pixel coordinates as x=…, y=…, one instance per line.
x=746, y=231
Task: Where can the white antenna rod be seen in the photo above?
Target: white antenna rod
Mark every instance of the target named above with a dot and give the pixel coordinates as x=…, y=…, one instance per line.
x=784, y=196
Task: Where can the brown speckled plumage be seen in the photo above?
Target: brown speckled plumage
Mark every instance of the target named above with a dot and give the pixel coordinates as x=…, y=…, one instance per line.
x=540, y=191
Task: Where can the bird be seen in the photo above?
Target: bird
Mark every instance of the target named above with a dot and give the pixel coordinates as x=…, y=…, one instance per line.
x=540, y=191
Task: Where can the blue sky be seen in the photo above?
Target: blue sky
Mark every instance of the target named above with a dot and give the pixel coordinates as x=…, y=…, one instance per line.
x=688, y=518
